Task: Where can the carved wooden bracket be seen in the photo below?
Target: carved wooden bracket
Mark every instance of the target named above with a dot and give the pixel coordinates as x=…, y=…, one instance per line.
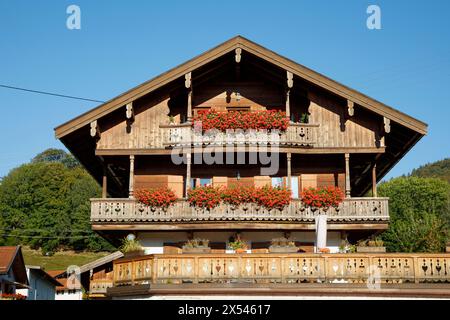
x=237, y=56
x=95, y=131
x=188, y=80
x=387, y=125
x=350, y=108
x=129, y=111
x=290, y=79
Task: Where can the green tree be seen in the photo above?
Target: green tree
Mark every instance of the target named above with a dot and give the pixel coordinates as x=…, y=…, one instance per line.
x=420, y=214
x=439, y=169
x=57, y=155
x=46, y=204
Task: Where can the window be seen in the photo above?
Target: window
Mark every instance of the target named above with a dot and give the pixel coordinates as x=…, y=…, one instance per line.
x=200, y=182
x=294, y=187
x=277, y=182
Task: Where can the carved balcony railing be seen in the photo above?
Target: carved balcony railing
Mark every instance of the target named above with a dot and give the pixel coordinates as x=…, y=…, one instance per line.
x=99, y=286
x=297, y=134
x=129, y=210
x=283, y=268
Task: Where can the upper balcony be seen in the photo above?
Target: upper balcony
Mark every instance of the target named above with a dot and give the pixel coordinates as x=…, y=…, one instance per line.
x=126, y=211
x=296, y=135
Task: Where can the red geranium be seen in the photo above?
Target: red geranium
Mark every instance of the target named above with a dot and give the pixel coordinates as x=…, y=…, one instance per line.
x=12, y=296
x=269, y=197
x=158, y=197
x=205, y=196
x=222, y=121
x=323, y=197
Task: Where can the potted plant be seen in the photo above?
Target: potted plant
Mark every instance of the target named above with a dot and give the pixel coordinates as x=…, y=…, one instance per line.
x=372, y=245
x=282, y=245
x=238, y=245
x=131, y=248
x=196, y=246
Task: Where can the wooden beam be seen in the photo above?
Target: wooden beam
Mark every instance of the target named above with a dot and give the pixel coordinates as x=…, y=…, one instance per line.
x=382, y=225
x=296, y=150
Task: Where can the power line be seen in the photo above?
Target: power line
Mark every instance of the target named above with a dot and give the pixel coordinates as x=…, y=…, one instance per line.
x=42, y=237
x=44, y=230
x=50, y=93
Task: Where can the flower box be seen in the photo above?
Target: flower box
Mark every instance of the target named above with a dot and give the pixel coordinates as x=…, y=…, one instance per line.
x=370, y=249
x=196, y=250
x=257, y=120
x=134, y=254
x=273, y=249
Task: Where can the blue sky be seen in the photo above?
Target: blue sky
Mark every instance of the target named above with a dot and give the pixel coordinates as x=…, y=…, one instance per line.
x=406, y=64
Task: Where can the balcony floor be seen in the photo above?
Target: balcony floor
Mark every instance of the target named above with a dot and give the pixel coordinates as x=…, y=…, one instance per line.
x=306, y=290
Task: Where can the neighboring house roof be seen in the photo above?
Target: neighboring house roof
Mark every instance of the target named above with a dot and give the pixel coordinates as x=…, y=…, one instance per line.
x=44, y=275
x=101, y=261
x=259, y=51
x=11, y=258
x=84, y=268
x=76, y=285
x=55, y=273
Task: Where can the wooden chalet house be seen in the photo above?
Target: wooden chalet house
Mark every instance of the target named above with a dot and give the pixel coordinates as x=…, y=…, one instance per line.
x=335, y=136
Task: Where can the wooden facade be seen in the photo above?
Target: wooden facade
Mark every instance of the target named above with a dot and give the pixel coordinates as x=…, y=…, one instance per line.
x=336, y=137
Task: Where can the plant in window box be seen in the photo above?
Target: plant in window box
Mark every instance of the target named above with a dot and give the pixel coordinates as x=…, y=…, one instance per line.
x=156, y=197
x=324, y=250
x=322, y=197
x=196, y=246
x=238, y=245
x=282, y=245
x=372, y=245
x=131, y=247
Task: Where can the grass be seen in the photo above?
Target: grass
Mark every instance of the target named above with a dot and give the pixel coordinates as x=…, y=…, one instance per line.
x=60, y=260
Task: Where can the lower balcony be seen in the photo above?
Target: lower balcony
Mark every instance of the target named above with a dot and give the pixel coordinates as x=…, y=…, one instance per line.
x=126, y=211
x=391, y=274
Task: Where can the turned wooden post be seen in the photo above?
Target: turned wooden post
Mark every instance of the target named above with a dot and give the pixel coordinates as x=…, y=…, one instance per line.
x=374, y=180
x=188, y=85
x=347, y=175
x=188, y=173
x=131, y=185
x=104, y=184
x=290, y=84
x=289, y=182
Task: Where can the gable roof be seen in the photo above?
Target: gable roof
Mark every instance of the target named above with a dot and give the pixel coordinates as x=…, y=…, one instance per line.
x=44, y=275
x=259, y=51
x=11, y=258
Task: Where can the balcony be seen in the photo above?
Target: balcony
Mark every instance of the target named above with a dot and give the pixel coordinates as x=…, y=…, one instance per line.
x=269, y=269
x=99, y=286
x=297, y=134
x=126, y=210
